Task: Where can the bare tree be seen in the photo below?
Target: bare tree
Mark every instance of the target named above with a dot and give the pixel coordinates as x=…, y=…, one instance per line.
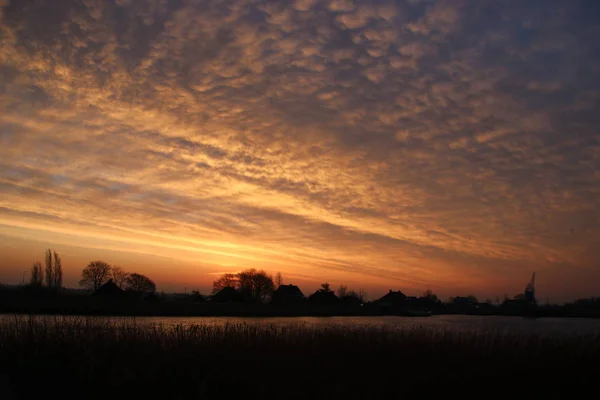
x=140, y=283
x=57, y=274
x=278, y=280
x=430, y=297
x=37, y=275
x=255, y=285
x=49, y=272
x=119, y=276
x=472, y=299
x=342, y=291
x=95, y=275
x=227, y=280
x=360, y=295
x=196, y=296
x=263, y=286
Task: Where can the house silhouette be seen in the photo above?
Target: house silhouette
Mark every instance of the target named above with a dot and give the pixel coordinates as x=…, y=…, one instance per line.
x=287, y=294
x=227, y=295
x=392, y=299
x=109, y=289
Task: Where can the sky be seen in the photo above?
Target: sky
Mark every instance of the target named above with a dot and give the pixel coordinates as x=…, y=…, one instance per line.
x=408, y=145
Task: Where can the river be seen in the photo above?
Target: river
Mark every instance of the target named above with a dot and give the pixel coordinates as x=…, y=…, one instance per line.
x=438, y=322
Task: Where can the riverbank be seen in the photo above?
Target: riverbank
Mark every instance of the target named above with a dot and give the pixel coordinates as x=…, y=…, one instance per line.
x=96, y=359
x=25, y=301
x=90, y=307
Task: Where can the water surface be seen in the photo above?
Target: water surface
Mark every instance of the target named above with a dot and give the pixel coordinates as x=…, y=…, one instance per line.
x=444, y=322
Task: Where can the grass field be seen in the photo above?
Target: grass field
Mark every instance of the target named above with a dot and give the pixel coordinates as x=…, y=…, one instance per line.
x=98, y=359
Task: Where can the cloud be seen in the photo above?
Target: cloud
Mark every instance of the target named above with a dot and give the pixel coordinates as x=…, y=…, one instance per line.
x=385, y=138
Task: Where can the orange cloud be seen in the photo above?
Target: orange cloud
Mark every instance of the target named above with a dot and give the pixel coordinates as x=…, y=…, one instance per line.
x=401, y=144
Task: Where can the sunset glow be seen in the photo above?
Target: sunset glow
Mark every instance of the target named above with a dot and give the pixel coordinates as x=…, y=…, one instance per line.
x=449, y=145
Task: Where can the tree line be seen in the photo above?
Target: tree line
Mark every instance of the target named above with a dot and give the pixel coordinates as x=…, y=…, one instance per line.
x=251, y=285
x=97, y=273
x=93, y=276
x=51, y=275
x=257, y=285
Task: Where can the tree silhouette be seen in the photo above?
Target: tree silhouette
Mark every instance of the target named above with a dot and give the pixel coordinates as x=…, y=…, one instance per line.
x=430, y=297
x=227, y=280
x=323, y=296
x=278, y=280
x=472, y=299
x=361, y=295
x=95, y=275
x=342, y=291
x=37, y=275
x=119, y=276
x=49, y=271
x=57, y=274
x=196, y=296
x=139, y=283
x=53, y=270
x=255, y=285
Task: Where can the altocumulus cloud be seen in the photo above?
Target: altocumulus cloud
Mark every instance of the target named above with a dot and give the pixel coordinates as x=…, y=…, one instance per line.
x=417, y=141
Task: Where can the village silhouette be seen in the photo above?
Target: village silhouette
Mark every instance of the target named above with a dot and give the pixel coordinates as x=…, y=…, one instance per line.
x=123, y=359
x=109, y=290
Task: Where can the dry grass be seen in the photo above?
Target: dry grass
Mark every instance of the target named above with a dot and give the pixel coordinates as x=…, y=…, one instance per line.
x=95, y=358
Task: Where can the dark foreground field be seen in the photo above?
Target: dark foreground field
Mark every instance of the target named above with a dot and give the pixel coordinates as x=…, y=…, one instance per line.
x=88, y=359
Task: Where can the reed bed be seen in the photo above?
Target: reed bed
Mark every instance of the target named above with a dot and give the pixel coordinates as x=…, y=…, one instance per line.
x=95, y=358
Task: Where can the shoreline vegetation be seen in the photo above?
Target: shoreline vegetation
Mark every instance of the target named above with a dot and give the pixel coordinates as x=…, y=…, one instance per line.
x=22, y=300
x=95, y=358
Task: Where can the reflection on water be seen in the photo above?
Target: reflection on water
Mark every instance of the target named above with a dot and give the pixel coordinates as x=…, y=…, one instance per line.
x=444, y=322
